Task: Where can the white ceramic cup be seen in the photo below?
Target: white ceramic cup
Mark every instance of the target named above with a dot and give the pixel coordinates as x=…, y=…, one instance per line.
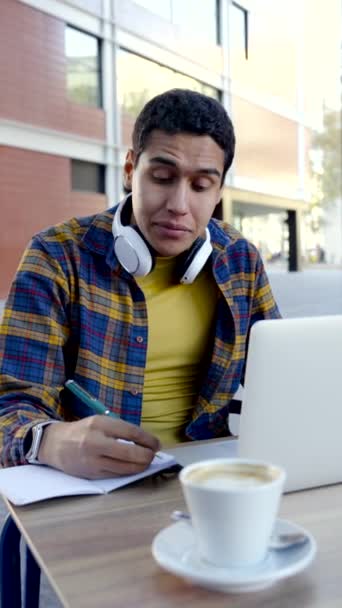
x=233, y=504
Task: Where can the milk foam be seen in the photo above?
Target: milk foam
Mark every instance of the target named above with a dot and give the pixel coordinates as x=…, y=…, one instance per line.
x=223, y=477
x=225, y=482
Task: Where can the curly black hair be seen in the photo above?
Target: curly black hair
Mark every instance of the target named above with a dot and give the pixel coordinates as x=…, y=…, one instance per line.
x=185, y=111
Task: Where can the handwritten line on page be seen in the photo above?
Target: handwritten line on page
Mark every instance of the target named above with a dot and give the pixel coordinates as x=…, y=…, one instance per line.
x=30, y=483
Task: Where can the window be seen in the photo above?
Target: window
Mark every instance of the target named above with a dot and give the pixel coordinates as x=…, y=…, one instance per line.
x=197, y=17
x=87, y=177
x=238, y=28
x=140, y=79
x=158, y=7
x=83, y=67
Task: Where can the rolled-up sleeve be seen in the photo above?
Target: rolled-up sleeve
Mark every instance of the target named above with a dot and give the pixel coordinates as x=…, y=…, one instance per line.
x=33, y=333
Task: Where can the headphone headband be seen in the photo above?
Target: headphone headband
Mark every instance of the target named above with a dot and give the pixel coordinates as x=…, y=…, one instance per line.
x=137, y=257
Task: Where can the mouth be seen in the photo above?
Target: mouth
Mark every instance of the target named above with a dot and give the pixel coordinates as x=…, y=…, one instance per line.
x=172, y=227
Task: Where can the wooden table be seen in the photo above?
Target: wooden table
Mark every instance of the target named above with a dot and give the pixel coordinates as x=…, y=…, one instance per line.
x=96, y=551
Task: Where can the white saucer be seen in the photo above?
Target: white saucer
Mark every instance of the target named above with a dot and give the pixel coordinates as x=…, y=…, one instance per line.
x=175, y=550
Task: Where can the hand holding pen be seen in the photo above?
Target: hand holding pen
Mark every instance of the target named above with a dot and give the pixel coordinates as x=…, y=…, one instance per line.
x=90, y=448
x=93, y=405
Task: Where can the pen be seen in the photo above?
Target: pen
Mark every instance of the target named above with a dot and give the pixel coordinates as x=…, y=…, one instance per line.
x=94, y=404
x=86, y=398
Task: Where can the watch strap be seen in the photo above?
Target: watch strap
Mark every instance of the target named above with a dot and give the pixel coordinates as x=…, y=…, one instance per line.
x=37, y=435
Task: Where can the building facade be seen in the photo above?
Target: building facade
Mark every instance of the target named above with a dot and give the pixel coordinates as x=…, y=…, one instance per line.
x=75, y=73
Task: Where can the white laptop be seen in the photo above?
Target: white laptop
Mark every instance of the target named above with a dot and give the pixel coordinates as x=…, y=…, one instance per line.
x=292, y=402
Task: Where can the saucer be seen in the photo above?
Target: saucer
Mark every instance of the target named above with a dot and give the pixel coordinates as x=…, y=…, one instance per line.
x=174, y=549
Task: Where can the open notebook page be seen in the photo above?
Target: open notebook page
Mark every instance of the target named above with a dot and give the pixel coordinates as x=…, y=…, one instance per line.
x=26, y=484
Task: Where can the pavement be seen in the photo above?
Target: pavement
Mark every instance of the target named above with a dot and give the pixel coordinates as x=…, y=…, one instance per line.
x=312, y=292
x=308, y=293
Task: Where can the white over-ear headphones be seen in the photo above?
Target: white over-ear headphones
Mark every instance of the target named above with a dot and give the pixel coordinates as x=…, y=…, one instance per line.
x=137, y=256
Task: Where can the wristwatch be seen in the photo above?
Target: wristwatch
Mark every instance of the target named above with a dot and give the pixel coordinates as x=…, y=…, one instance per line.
x=36, y=432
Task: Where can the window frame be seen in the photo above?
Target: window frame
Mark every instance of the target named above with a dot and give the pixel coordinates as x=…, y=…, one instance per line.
x=245, y=14
x=100, y=177
x=99, y=67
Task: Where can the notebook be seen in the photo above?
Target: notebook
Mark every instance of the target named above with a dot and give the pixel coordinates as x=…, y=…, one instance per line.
x=31, y=483
x=291, y=403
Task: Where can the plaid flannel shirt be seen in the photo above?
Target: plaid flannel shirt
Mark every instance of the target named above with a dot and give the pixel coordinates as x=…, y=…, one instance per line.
x=74, y=312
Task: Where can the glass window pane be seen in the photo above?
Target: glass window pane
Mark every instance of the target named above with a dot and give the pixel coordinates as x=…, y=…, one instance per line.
x=237, y=31
x=140, y=79
x=158, y=7
x=88, y=177
x=83, y=67
x=198, y=18
x=271, y=69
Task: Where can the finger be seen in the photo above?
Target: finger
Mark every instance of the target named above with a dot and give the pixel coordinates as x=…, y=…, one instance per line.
x=121, y=429
x=126, y=452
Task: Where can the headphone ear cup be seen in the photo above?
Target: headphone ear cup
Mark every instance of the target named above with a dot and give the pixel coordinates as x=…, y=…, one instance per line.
x=196, y=259
x=132, y=252
x=130, y=248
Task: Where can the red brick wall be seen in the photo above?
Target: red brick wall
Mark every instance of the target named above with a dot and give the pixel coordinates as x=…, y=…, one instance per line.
x=35, y=188
x=34, y=193
x=32, y=73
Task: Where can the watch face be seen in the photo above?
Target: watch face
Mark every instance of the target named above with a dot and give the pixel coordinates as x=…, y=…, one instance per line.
x=32, y=454
x=37, y=434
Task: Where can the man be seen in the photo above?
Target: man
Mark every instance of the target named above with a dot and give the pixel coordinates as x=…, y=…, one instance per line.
x=148, y=306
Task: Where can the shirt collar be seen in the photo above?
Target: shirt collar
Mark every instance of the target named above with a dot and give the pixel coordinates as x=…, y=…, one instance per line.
x=98, y=238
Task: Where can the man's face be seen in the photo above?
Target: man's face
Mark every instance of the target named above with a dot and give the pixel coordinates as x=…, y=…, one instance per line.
x=176, y=186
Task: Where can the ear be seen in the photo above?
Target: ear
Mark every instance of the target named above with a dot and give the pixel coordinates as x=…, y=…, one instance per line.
x=128, y=169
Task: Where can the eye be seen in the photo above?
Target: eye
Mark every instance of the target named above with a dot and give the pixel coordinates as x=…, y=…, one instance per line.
x=201, y=184
x=162, y=174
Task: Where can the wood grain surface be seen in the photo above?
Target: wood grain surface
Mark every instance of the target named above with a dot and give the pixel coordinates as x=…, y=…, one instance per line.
x=96, y=551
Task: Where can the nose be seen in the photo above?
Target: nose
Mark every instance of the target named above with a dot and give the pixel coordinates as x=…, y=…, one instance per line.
x=178, y=199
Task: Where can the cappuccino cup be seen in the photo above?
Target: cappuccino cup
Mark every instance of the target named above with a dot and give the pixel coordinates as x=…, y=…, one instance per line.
x=233, y=505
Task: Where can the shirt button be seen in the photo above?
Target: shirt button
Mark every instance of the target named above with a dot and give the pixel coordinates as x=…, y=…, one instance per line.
x=139, y=339
x=134, y=392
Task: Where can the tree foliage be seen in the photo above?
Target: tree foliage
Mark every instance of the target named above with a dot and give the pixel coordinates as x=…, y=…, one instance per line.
x=329, y=143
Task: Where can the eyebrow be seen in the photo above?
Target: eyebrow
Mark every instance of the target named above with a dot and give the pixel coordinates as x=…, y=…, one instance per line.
x=171, y=163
